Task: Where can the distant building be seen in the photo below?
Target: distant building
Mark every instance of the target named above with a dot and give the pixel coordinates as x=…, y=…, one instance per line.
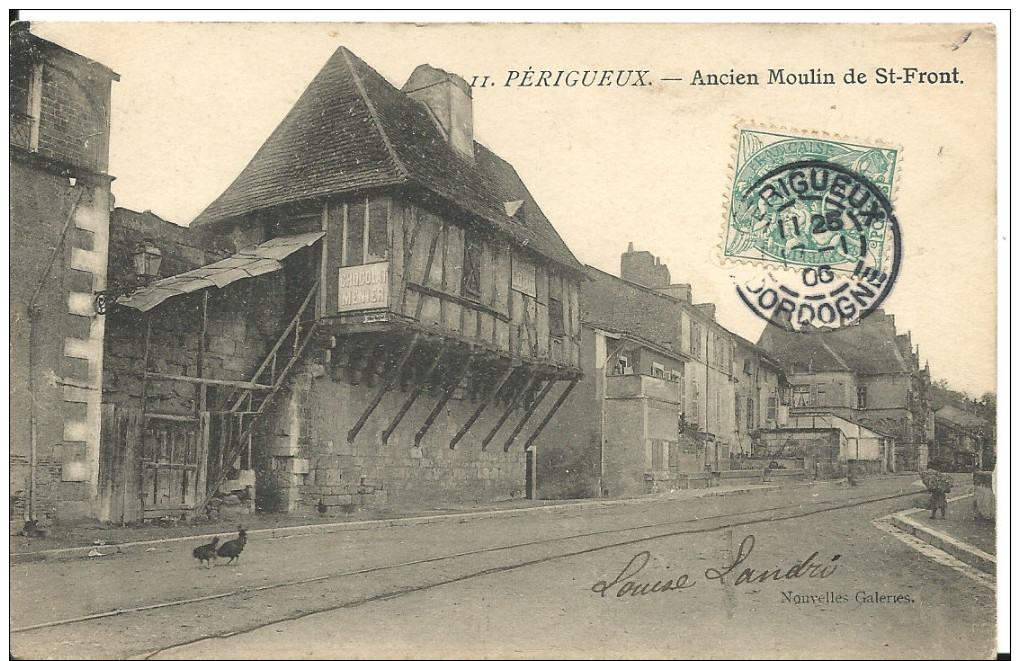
x=674, y=396
x=59, y=223
x=962, y=441
x=864, y=373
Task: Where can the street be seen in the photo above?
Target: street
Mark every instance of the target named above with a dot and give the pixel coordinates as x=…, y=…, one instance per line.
x=795, y=573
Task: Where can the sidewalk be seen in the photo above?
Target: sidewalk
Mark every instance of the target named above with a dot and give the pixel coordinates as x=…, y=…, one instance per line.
x=960, y=534
x=80, y=542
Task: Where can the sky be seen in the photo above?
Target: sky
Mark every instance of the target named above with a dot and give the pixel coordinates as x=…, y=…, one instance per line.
x=612, y=165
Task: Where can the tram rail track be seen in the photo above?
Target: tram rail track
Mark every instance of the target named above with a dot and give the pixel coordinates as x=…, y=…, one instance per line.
x=689, y=526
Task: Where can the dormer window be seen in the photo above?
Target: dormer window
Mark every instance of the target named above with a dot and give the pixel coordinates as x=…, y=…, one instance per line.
x=515, y=210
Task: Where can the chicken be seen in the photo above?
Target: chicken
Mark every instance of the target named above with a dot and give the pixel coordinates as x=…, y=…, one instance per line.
x=232, y=548
x=206, y=552
x=321, y=507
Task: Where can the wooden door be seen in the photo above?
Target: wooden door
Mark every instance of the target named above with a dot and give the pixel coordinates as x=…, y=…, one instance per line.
x=173, y=465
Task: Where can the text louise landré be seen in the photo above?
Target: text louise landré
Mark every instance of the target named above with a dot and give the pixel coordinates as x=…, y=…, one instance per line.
x=737, y=572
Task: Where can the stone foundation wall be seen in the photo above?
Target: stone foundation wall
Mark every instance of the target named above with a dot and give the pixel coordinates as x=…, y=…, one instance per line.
x=307, y=457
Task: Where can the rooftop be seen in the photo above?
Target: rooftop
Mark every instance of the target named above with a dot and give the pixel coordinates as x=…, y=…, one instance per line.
x=352, y=130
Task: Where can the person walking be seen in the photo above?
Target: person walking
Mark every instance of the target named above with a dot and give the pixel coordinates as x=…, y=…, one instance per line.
x=938, y=485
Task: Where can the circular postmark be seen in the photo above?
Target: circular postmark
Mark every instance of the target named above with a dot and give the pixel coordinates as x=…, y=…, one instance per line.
x=829, y=226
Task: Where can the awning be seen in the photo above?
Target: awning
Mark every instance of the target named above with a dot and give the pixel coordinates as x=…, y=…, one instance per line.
x=263, y=258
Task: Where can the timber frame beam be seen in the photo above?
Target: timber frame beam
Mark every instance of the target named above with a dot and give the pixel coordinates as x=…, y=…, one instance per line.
x=510, y=409
x=385, y=388
x=548, y=416
x=418, y=390
x=527, y=414
x=495, y=390
x=448, y=389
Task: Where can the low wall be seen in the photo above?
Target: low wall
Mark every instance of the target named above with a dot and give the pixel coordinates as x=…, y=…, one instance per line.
x=984, y=495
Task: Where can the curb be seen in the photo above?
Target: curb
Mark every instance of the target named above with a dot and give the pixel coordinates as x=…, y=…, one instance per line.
x=962, y=551
x=108, y=550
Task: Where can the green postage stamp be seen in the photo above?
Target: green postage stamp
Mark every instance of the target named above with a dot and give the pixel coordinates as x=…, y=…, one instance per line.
x=820, y=207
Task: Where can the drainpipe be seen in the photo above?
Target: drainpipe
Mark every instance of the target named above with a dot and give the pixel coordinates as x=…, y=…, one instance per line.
x=33, y=317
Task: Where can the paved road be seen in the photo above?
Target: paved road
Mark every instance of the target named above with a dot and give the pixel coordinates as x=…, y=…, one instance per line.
x=539, y=584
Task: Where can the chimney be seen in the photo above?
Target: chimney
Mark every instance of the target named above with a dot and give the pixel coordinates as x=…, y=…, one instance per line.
x=680, y=291
x=707, y=308
x=643, y=268
x=448, y=98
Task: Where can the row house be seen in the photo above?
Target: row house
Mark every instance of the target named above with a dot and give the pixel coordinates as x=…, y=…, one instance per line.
x=865, y=373
x=59, y=226
x=673, y=398
x=386, y=316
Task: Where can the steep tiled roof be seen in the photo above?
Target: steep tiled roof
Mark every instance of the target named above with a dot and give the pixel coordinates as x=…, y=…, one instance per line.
x=867, y=348
x=352, y=130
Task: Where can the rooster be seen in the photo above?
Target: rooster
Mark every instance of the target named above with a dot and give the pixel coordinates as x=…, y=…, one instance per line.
x=206, y=552
x=232, y=548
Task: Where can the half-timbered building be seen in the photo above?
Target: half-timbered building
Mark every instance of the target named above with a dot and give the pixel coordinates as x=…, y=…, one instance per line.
x=426, y=310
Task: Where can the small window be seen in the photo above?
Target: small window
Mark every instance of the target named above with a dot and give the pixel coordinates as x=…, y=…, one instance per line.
x=366, y=233
x=747, y=366
x=354, y=248
x=622, y=365
x=862, y=397
x=556, y=317
x=676, y=377
x=658, y=371
x=750, y=413
x=695, y=339
x=773, y=408
x=801, y=396
x=378, y=232
x=472, y=266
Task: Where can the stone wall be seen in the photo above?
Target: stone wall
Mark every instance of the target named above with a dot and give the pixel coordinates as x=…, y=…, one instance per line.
x=56, y=351
x=307, y=457
x=244, y=320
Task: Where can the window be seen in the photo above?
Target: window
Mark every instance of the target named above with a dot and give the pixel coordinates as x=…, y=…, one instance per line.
x=862, y=397
x=366, y=240
x=556, y=317
x=378, y=232
x=354, y=235
x=622, y=365
x=747, y=366
x=675, y=376
x=473, y=269
x=20, y=86
x=821, y=397
x=801, y=396
x=773, y=408
x=695, y=339
x=24, y=96
x=750, y=413
x=736, y=411
x=658, y=371
x=694, y=418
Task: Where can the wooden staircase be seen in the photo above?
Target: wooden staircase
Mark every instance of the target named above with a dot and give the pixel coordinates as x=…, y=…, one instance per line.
x=258, y=394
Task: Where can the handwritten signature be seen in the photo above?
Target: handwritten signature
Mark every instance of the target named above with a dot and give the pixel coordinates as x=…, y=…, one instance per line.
x=627, y=585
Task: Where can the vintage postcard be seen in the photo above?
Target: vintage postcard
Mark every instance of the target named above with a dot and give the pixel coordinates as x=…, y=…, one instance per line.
x=505, y=340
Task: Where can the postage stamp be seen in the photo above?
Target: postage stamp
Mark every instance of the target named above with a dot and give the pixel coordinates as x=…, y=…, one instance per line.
x=820, y=210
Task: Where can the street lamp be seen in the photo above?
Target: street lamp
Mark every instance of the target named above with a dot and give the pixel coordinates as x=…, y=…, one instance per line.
x=146, y=260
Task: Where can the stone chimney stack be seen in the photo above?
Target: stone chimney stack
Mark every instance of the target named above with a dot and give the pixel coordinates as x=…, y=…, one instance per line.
x=643, y=268
x=448, y=97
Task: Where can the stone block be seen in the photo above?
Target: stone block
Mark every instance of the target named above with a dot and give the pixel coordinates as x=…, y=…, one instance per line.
x=222, y=345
